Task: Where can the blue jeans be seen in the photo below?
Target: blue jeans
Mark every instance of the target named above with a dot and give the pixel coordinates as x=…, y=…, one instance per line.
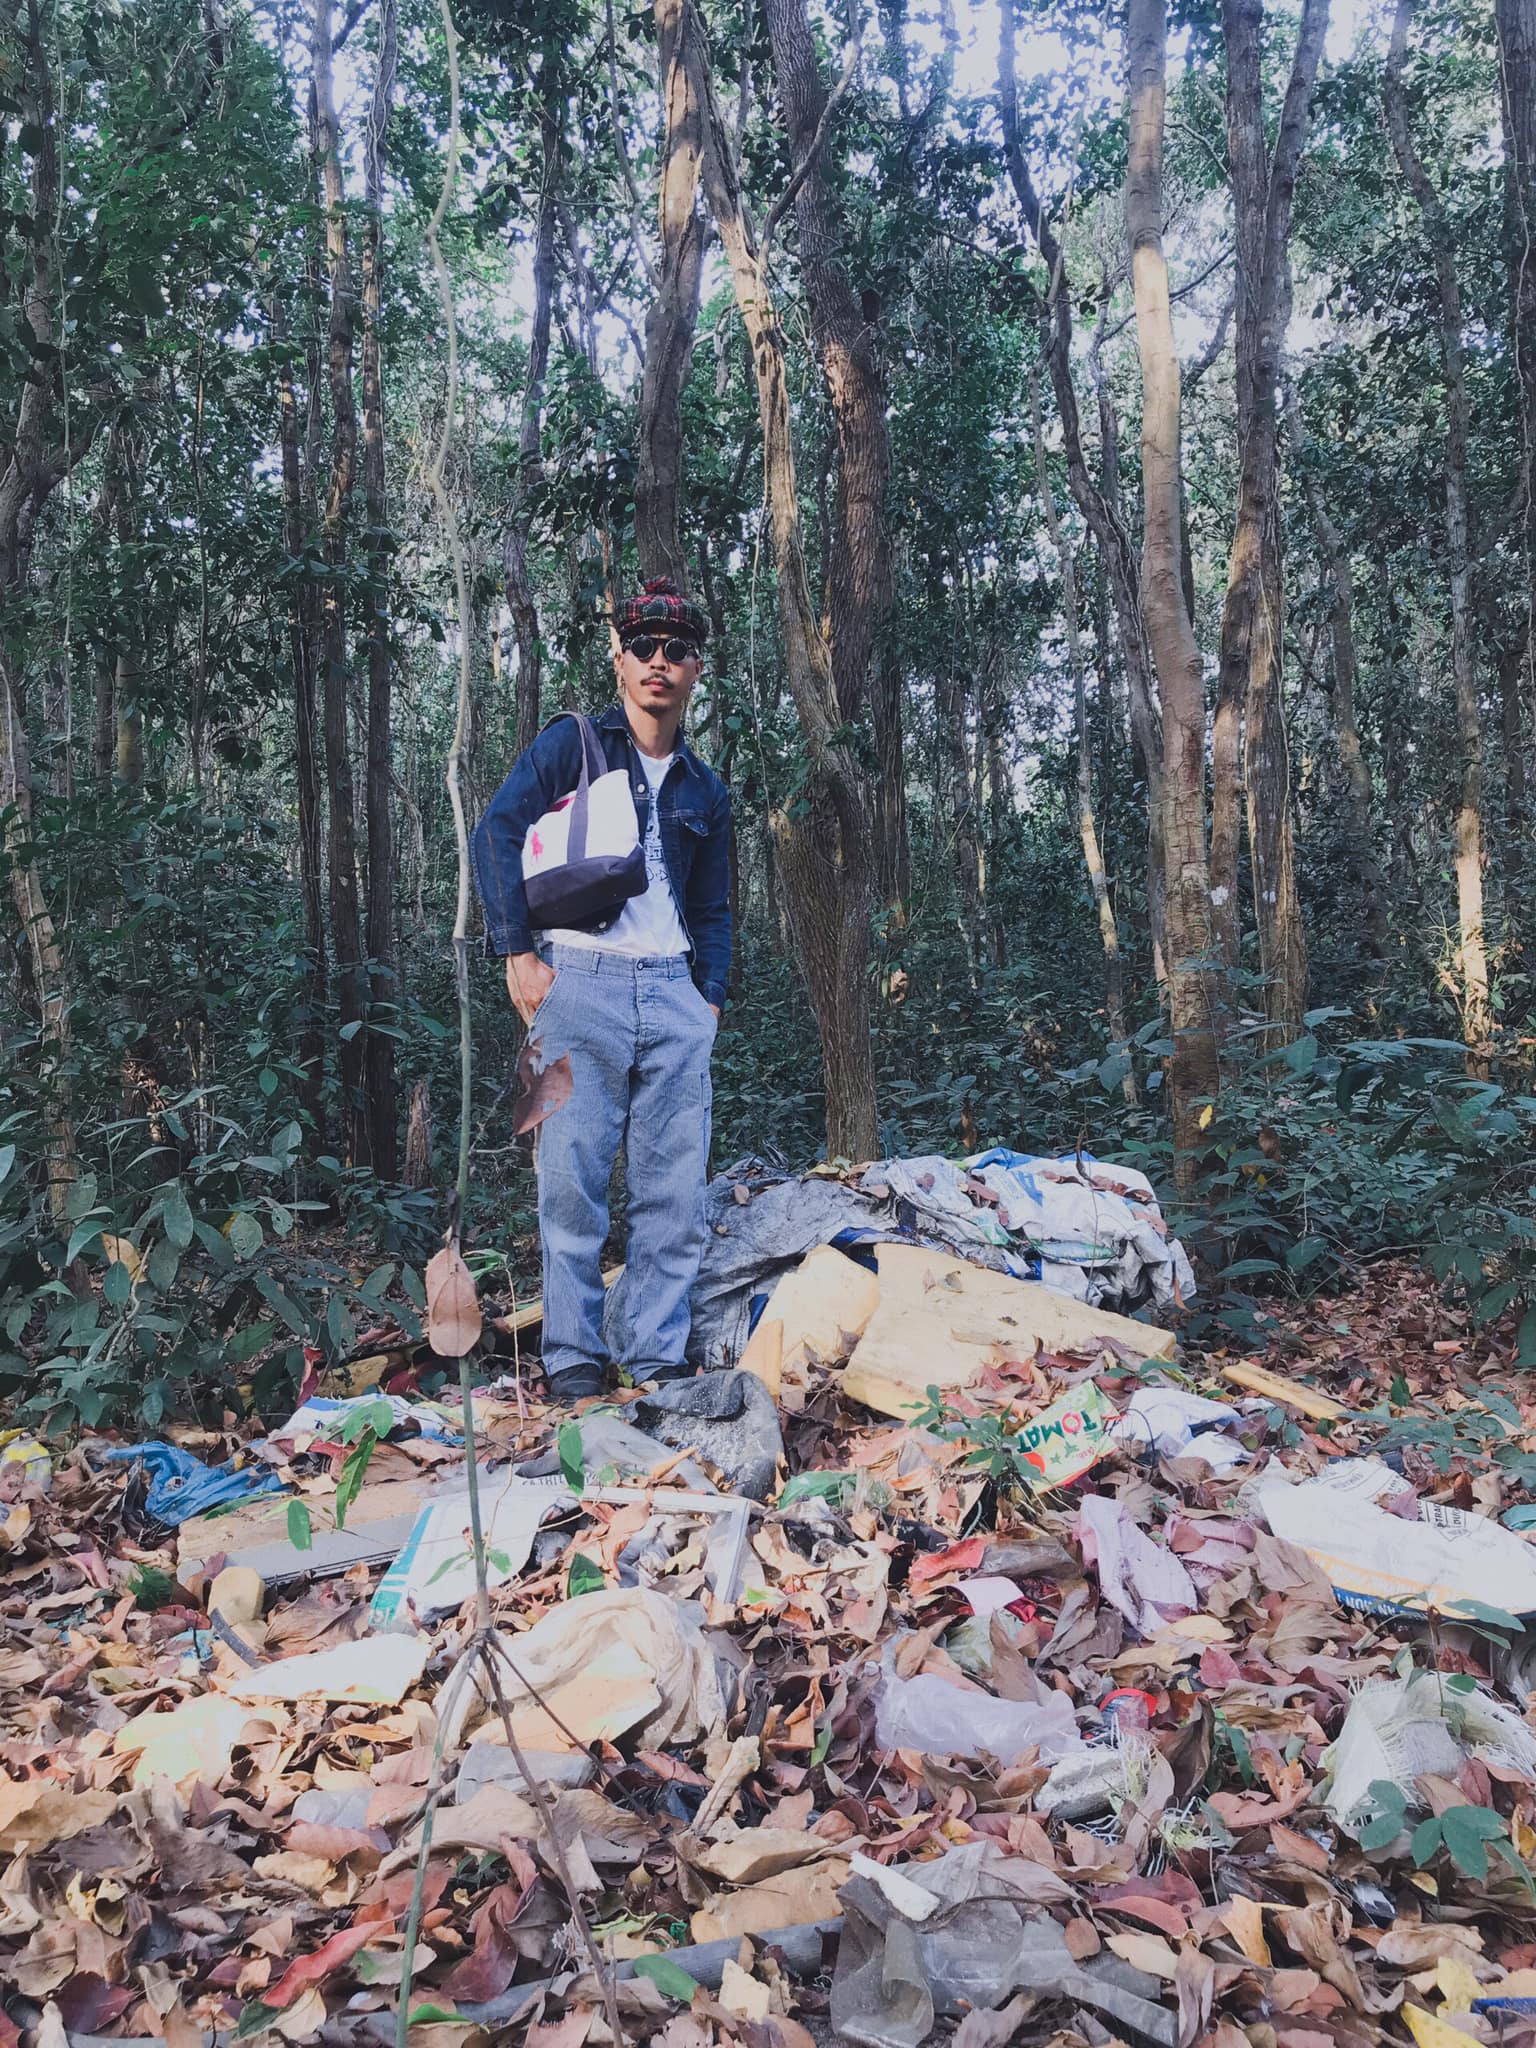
x=639, y=1037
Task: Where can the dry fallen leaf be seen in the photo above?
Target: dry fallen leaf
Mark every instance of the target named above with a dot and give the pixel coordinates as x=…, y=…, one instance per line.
x=453, y=1307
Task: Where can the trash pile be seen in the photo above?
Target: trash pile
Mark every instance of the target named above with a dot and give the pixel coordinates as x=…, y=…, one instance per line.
x=958, y=1658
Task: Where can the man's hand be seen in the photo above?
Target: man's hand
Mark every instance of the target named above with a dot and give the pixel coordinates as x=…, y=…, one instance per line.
x=716, y=1008
x=529, y=981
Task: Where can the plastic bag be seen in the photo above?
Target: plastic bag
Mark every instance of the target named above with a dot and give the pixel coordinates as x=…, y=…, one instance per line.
x=932, y=1716
x=967, y=1943
x=729, y=1418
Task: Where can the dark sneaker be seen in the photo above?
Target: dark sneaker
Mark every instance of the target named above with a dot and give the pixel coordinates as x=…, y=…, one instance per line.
x=667, y=1375
x=575, y=1383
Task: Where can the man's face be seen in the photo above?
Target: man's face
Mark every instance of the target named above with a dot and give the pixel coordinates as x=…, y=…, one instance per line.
x=656, y=683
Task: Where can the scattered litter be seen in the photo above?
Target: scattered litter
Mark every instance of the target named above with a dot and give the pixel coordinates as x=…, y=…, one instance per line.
x=194, y=1740
x=181, y=1486
x=1256, y=1379
x=610, y=1444
x=1098, y=1757
x=323, y=1420
x=1404, y=1729
x=374, y=1670
x=620, y=1660
x=1067, y=1439
x=1445, y=1560
x=1096, y=1230
x=936, y=1718
x=1172, y=1421
x=972, y=1948
x=941, y=1323
x=237, y=1595
x=727, y=1418
x=435, y=1570
x=21, y=1455
x=1148, y=1584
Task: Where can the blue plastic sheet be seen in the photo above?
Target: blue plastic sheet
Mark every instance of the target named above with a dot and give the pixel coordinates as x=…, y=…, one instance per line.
x=181, y=1486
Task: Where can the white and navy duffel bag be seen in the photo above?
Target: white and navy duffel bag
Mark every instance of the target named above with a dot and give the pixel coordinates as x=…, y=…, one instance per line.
x=583, y=858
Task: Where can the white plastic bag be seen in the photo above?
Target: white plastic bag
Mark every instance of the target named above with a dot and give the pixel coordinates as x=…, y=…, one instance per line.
x=932, y=1716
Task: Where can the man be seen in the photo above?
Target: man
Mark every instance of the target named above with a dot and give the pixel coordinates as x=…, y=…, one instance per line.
x=633, y=1001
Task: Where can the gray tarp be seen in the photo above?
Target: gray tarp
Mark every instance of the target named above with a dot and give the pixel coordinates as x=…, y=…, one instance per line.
x=749, y=1245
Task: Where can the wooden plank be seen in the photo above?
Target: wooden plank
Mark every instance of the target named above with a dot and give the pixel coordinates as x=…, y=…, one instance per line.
x=941, y=1322
x=1254, y=1379
x=531, y=1314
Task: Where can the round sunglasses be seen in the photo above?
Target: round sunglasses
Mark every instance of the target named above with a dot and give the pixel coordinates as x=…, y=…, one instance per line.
x=643, y=645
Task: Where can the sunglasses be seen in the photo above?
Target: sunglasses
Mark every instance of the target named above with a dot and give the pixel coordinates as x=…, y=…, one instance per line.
x=643, y=645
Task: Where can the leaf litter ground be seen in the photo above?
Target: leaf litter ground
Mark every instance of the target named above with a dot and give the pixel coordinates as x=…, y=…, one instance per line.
x=183, y=1856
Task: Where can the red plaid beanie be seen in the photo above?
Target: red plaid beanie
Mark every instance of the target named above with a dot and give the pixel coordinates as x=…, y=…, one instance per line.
x=661, y=607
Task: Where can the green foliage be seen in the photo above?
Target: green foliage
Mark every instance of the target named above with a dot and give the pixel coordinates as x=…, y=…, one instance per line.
x=584, y=1576
x=572, y=1456
x=670, y=1978
x=1465, y=1833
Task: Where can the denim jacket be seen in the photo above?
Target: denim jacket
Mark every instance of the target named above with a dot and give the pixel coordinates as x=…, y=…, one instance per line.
x=695, y=816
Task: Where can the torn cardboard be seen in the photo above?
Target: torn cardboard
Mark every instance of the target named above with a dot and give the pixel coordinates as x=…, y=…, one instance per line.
x=941, y=1322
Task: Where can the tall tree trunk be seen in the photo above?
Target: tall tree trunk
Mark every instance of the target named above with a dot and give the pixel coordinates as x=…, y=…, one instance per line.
x=1516, y=24
x=1099, y=506
x=383, y=942
x=844, y=324
x=1370, y=882
x=31, y=468
x=1249, y=716
x=956, y=819
x=346, y=923
x=530, y=458
x=823, y=858
x=303, y=652
x=1194, y=978
x=1511, y=662
x=1472, y=952
x=1087, y=824
x=673, y=314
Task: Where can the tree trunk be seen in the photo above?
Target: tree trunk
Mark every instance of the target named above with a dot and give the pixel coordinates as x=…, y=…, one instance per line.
x=1516, y=24
x=956, y=819
x=673, y=314
x=530, y=458
x=1249, y=716
x=1087, y=825
x=1511, y=660
x=346, y=923
x=104, y=723
x=824, y=857
x=1194, y=978
x=383, y=943
x=1370, y=882
x=1472, y=951
x=1099, y=506
x=31, y=468
x=302, y=652
x=860, y=587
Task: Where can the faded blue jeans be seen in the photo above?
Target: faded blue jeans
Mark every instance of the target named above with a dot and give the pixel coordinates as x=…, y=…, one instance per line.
x=639, y=1036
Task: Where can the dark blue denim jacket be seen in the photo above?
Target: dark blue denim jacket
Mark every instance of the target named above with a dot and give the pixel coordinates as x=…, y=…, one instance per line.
x=695, y=838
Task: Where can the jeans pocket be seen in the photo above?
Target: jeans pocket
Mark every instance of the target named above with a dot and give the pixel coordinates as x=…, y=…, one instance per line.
x=543, y=1004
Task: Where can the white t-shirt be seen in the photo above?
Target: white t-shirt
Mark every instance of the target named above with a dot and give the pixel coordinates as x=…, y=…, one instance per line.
x=648, y=927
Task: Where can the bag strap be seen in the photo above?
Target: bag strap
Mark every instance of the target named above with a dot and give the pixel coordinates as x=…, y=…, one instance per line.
x=591, y=751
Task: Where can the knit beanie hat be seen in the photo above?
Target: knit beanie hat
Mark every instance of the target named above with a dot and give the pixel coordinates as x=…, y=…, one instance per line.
x=661, y=606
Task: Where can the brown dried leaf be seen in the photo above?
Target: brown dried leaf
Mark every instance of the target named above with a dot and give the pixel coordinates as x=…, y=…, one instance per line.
x=453, y=1308
x=541, y=1089
x=980, y=2029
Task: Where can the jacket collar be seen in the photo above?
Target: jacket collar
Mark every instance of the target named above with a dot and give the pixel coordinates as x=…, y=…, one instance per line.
x=613, y=720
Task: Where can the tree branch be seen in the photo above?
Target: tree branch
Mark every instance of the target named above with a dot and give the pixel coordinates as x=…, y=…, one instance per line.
x=809, y=161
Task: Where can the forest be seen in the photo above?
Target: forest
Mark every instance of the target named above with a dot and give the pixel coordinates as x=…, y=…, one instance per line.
x=1101, y=437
